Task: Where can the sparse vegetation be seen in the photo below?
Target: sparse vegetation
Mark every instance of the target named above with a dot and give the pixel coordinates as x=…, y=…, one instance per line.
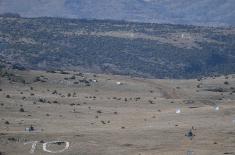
x=12, y=139
x=131, y=112
x=54, y=92
x=151, y=102
x=2, y=153
x=99, y=111
x=91, y=45
x=226, y=83
x=21, y=110
x=42, y=100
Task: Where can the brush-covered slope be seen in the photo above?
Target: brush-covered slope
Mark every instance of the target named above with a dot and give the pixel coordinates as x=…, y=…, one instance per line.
x=200, y=12
x=152, y=50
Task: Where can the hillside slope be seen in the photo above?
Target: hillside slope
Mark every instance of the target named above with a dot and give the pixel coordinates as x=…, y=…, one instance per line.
x=201, y=12
x=151, y=50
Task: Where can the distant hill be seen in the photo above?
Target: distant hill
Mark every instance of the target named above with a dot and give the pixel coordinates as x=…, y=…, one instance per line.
x=105, y=46
x=199, y=12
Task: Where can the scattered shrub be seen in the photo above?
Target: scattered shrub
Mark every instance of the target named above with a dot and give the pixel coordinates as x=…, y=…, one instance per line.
x=99, y=111
x=54, y=92
x=151, y=102
x=42, y=100
x=73, y=77
x=226, y=82
x=63, y=72
x=21, y=110
x=103, y=122
x=12, y=139
x=2, y=153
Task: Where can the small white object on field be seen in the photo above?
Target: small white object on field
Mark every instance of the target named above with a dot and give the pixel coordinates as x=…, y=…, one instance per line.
x=217, y=108
x=118, y=83
x=178, y=111
x=182, y=35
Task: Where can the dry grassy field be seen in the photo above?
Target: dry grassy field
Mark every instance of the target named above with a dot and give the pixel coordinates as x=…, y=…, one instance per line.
x=95, y=114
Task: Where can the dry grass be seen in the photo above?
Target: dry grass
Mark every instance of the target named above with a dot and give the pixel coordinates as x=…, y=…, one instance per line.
x=103, y=118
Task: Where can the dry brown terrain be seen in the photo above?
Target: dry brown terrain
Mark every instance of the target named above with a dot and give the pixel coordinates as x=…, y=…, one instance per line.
x=99, y=117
